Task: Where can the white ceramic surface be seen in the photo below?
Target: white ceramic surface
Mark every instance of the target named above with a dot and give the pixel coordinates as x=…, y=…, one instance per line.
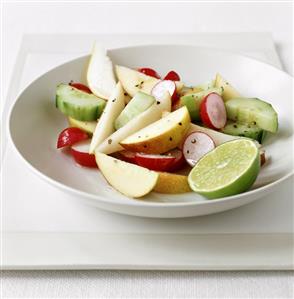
x=34, y=124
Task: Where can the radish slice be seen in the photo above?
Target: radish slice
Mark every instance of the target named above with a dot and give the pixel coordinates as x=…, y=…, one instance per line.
x=179, y=161
x=149, y=72
x=70, y=136
x=164, y=86
x=213, y=111
x=80, y=152
x=127, y=156
x=196, y=145
x=155, y=162
x=173, y=76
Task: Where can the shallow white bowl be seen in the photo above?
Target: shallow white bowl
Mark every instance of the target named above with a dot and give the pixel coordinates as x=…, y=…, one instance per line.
x=34, y=124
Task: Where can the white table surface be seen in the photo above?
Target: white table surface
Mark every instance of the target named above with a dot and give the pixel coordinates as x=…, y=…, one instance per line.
x=104, y=18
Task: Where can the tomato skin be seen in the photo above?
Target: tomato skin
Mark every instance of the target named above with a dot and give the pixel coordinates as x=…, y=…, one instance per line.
x=70, y=136
x=81, y=87
x=149, y=72
x=173, y=76
x=84, y=159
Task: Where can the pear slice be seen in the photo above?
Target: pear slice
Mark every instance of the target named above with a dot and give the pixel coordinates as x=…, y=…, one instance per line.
x=161, y=136
x=100, y=75
x=134, y=81
x=87, y=126
x=229, y=92
x=138, y=104
x=171, y=183
x=112, y=143
x=105, y=126
x=129, y=179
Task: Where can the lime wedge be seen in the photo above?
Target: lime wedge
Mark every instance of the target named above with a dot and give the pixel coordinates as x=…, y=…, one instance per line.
x=231, y=168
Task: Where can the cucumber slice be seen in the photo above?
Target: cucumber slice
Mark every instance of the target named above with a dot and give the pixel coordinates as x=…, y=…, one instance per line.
x=244, y=130
x=138, y=104
x=193, y=101
x=78, y=104
x=253, y=111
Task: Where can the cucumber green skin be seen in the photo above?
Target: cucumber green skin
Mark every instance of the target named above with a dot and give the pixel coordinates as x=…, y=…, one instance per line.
x=244, y=130
x=78, y=104
x=193, y=101
x=241, y=185
x=253, y=111
x=138, y=104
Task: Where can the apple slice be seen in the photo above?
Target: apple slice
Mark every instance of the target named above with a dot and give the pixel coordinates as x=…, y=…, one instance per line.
x=134, y=81
x=100, y=75
x=161, y=136
x=152, y=114
x=129, y=179
x=105, y=126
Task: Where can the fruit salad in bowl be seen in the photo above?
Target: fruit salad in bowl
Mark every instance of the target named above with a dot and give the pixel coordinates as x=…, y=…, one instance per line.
x=146, y=132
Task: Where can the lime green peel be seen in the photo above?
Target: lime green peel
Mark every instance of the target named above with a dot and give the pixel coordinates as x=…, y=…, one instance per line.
x=229, y=169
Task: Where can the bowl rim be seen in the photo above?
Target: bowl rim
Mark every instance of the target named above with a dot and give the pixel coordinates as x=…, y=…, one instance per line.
x=132, y=201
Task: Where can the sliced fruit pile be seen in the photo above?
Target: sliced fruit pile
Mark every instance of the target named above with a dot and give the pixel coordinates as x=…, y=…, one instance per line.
x=148, y=134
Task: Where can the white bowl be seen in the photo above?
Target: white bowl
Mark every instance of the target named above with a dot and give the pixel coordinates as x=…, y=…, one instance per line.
x=34, y=124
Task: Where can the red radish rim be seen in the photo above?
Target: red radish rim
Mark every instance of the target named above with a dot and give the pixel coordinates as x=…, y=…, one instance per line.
x=151, y=156
x=201, y=133
x=155, y=87
x=206, y=112
x=191, y=161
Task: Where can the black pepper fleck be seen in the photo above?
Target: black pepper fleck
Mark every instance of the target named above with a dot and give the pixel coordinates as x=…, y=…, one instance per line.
x=145, y=146
x=109, y=141
x=193, y=141
x=188, y=151
x=170, y=138
x=158, y=102
x=180, y=124
x=235, y=126
x=113, y=100
x=125, y=94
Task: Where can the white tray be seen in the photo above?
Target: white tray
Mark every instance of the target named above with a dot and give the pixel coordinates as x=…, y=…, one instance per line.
x=44, y=228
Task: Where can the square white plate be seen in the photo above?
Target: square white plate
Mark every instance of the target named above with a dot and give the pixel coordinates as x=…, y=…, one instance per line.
x=47, y=229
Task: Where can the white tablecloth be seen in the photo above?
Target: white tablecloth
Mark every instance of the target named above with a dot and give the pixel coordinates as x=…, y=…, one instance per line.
x=122, y=18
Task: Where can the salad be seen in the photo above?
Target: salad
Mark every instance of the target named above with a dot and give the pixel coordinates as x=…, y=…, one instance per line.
x=147, y=133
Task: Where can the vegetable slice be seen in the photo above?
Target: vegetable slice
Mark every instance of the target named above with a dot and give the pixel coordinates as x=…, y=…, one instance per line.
x=70, y=136
x=80, y=152
x=213, y=111
x=196, y=145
